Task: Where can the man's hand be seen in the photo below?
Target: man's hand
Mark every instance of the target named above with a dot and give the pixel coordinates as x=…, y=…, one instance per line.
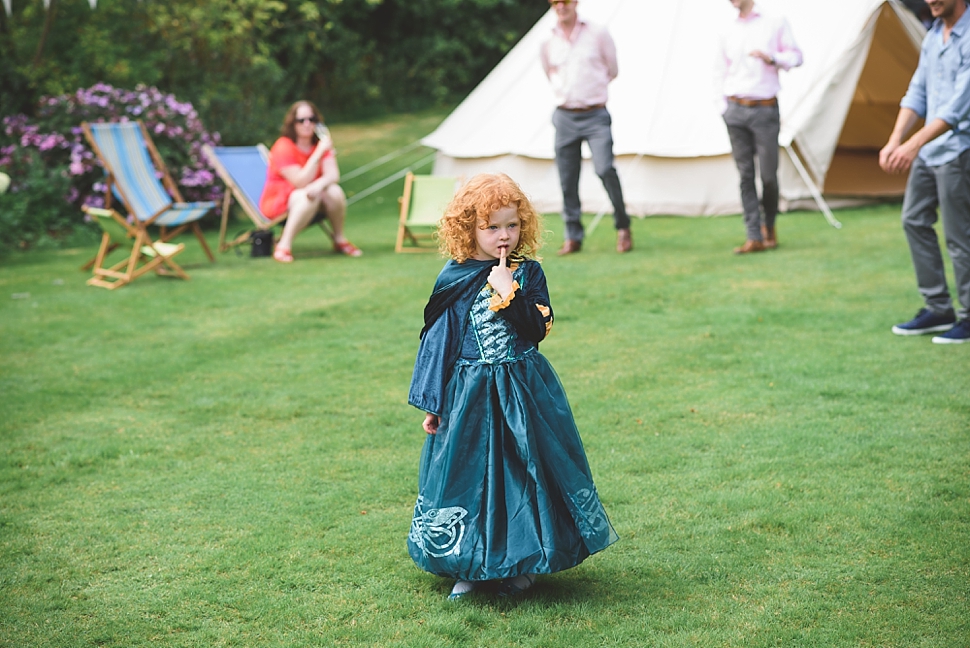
x=884, y=154
x=896, y=158
x=500, y=278
x=768, y=60
x=430, y=424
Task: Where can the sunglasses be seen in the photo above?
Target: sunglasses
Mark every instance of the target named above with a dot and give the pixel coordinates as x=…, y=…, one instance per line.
x=303, y=120
x=560, y=2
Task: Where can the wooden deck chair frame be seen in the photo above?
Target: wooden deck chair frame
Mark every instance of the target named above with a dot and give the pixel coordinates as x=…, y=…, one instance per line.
x=424, y=215
x=245, y=200
x=146, y=255
x=168, y=183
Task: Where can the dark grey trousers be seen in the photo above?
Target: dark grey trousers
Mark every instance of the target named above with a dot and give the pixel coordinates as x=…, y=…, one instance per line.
x=572, y=128
x=946, y=187
x=754, y=133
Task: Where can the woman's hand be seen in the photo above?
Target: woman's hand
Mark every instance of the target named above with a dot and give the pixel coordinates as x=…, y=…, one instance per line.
x=430, y=424
x=316, y=188
x=500, y=278
x=322, y=147
x=330, y=177
x=303, y=177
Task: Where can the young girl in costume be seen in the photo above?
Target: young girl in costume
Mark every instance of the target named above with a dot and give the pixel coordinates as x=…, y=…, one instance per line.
x=504, y=489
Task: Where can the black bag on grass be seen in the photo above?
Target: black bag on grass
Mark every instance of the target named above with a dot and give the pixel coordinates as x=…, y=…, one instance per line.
x=262, y=243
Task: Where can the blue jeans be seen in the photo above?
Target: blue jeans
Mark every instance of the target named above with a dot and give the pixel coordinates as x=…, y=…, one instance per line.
x=572, y=128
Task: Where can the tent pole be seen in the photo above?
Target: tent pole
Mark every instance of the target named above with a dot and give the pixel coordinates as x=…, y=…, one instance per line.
x=812, y=188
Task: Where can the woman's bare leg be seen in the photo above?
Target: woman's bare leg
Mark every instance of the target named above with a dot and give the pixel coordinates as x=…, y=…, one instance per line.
x=335, y=202
x=301, y=211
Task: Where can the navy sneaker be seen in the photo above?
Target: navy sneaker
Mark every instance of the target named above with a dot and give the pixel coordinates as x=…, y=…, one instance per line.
x=956, y=335
x=926, y=321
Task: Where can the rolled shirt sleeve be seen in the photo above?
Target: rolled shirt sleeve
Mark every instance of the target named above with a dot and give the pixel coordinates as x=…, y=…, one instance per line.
x=940, y=89
x=608, y=52
x=956, y=111
x=787, y=54
x=915, y=97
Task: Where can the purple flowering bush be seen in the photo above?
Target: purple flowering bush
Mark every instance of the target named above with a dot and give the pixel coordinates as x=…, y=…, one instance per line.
x=54, y=172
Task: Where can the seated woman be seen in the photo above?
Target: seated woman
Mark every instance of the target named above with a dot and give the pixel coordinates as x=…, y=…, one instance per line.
x=302, y=180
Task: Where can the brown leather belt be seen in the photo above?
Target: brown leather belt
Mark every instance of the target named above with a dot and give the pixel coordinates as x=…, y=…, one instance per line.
x=753, y=102
x=583, y=109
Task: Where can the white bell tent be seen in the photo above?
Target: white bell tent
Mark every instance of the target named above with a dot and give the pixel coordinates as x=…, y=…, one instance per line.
x=672, y=149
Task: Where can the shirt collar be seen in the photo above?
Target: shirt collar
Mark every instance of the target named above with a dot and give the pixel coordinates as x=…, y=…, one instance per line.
x=963, y=24
x=580, y=23
x=755, y=13
x=958, y=29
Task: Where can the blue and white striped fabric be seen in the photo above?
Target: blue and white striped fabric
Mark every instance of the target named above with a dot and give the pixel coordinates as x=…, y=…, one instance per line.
x=135, y=181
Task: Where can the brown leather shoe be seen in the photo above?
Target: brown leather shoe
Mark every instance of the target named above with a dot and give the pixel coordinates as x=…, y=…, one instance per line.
x=624, y=243
x=750, y=246
x=768, y=234
x=570, y=246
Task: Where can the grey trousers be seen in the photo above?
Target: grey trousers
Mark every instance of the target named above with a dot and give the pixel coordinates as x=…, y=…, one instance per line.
x=948, y=187
x=754, y=132
x=572, y=128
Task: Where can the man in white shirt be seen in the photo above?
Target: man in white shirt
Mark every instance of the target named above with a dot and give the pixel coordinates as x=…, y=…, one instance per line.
x=580, y=61
x=752, y=50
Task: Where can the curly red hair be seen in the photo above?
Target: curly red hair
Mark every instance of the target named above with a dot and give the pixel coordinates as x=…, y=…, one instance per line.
x=471, y=208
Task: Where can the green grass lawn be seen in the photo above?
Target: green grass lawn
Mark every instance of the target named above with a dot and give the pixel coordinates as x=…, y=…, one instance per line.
x=231, y=461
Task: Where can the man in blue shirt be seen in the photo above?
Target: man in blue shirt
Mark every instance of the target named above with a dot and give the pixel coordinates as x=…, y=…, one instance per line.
x=937, y=157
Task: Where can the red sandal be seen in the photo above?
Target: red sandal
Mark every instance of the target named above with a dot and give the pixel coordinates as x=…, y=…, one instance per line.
x=347, y=248
x=283, y=255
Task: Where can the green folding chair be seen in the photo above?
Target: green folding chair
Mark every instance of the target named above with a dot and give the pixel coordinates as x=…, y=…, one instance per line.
x=144, y=254
x=422, y=205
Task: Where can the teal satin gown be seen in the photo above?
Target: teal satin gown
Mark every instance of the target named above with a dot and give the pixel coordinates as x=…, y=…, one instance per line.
x=504, y=486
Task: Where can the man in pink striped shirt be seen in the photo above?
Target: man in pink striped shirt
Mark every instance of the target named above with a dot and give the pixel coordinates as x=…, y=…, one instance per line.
x=752, y=50
x=580, y=61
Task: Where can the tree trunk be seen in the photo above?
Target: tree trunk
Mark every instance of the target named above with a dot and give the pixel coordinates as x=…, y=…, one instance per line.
x=48, y=21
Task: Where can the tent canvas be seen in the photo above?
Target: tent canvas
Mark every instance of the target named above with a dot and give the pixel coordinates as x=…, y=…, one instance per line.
x=672, y=149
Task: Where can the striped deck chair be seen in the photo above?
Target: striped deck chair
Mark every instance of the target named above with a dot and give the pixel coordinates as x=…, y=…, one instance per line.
x=243, y=169
x=130, y=160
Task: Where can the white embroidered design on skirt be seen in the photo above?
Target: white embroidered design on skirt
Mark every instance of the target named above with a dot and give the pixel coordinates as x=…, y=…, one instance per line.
x=437, y=532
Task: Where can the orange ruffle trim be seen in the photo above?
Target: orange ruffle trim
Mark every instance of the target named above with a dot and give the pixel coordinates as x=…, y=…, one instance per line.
x=496, y=303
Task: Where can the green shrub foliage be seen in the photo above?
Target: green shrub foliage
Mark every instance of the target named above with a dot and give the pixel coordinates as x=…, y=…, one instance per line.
x=54, y=172
x=241, y=62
